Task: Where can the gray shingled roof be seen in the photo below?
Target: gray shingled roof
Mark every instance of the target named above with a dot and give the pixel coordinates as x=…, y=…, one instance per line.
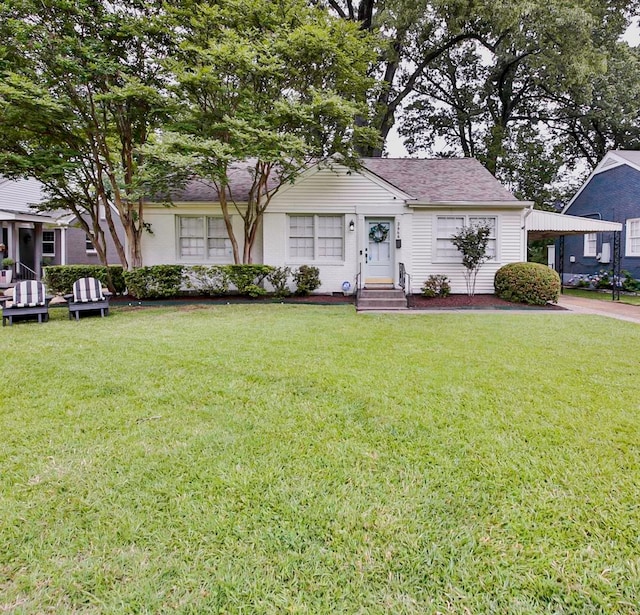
x=203, y=191
x=441, y=180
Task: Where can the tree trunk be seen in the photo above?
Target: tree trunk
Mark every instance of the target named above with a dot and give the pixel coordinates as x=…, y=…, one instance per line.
x=224, y=205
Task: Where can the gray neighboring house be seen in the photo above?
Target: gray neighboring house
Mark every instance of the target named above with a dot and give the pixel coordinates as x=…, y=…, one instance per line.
x=35, y=239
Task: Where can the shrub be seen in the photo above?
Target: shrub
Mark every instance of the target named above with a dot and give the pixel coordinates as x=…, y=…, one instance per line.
x=307, y=279
x=629, y=283
x=436, y=286
x=156, y=282
x=210, y=280
x=60, y=278
x=279, y=278
x=248, y=278
x=531, y=283
x=603, y=279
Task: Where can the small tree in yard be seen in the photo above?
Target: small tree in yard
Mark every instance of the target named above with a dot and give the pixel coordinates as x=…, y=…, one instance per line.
x=472, y=241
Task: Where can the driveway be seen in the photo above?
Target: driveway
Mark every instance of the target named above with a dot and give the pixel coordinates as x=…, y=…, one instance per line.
x=612, y=309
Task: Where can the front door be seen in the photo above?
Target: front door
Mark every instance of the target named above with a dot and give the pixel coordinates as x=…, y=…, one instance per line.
x=379, y=255
x=27, y=254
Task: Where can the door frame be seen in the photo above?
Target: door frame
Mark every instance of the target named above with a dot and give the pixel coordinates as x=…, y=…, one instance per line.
x=392, y=252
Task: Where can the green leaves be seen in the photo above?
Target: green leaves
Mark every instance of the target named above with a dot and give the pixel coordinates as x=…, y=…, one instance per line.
x=273, y=85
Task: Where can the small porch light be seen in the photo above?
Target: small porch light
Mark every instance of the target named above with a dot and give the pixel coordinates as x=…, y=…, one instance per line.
x=352, y=225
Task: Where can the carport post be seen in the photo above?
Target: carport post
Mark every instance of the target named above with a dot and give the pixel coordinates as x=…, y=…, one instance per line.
x=615, y=286
x=561, y=263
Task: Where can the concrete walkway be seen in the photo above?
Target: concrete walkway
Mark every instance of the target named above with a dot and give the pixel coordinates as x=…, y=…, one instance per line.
x=612, y=309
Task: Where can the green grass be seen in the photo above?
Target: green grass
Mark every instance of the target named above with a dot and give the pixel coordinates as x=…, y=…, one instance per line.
x=272, y=459
x=601, y=295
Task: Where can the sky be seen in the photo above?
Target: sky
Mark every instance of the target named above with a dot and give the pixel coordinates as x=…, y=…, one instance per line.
x=395, y=148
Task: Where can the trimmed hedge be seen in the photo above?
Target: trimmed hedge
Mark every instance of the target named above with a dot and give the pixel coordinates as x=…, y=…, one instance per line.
x=166, y=281
x=60, y=278
x=248, y=278
x=156, y=282
x=530, y=283
x=210, y=280
x=307, y=279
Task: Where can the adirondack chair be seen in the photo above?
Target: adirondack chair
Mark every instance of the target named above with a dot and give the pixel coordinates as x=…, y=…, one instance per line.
x=29, y=299
x=88, y=296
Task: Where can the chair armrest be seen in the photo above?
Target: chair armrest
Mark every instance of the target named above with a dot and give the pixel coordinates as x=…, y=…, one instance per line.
x=4, y=299
x=68, y=297
x=107, y=294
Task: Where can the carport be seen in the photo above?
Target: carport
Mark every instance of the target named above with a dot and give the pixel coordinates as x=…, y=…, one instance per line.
x=549, y=225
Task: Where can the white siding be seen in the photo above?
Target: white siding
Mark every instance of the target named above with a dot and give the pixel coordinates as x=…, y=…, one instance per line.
x=331, y=192
x=160, y=248
x=510, y=248
x=356, y=197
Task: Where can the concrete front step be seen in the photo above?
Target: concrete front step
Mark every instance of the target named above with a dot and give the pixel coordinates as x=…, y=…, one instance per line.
x=381, y=294
x=379, y=299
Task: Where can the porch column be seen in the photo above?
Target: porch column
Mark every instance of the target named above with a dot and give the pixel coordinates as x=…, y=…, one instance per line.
x=37, y=258
x=12, y=241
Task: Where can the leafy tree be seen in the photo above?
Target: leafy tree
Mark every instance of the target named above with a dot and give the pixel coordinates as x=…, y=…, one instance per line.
x=81, y=93
x=415, y=33
x=268, y=88
x=527, y=100
x=603, y=115
x=472, y=241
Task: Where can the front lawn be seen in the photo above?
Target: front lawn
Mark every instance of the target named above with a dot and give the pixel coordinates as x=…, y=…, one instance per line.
x=601, y=295
x=272, y=459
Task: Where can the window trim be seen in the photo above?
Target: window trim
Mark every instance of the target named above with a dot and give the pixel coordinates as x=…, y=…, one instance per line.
x=316, y=236
x=628, y=237
x=466, y=221
x=89, y=248
x=52, y=242
x=204, y=257
x=590, y=238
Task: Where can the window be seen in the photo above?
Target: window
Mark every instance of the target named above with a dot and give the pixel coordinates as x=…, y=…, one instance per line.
x=203, y=238
x=48, y=243
x=446, y=226
x=316, y=238
x=633, y=237
x=88, y=244
x=491, y=223
x=591, y=244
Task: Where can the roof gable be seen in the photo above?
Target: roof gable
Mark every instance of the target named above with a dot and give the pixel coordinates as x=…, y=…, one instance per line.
x=611, y=160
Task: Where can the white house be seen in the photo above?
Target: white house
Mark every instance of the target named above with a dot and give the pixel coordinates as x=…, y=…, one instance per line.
x=355, y=226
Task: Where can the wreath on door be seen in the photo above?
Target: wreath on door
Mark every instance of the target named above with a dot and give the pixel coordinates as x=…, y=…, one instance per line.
x=379, y=232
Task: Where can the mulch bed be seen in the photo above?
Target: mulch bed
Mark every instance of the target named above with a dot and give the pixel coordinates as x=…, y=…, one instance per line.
x=416, y=302
x=477, y=302
x=127, y=300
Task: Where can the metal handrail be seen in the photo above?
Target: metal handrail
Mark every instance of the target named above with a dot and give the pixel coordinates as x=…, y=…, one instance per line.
x=358, y=283
x=404, y=281
x=21, y=268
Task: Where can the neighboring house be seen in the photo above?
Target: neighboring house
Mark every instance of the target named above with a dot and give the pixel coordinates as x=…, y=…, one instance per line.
x=34, y=239
x=611, y=192
x=353, y=225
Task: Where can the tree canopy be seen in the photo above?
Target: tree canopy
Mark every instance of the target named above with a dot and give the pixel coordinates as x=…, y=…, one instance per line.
x=270, y=87
x=82, y=91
